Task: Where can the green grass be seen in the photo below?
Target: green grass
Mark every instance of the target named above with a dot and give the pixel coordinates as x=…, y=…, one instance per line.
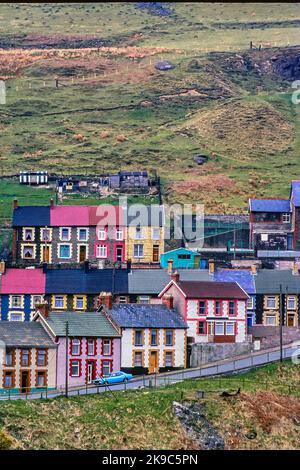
x=128, y=420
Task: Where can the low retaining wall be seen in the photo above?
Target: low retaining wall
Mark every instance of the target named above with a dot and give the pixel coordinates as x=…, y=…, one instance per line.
x=204, y=353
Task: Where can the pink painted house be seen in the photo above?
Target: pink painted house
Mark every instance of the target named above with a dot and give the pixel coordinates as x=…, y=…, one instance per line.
x=216, y=312
x=94, y=345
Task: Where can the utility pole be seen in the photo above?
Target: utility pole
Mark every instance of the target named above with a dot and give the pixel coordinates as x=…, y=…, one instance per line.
x=67, y=357
x=280, y=322
x=234, y=242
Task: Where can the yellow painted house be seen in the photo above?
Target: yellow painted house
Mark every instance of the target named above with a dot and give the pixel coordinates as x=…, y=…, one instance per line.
x=145, y=235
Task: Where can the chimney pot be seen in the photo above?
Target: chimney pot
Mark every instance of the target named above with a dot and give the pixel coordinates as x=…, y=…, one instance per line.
x=15, y=203
x=106, y=299
x=51, y=203
x=2, y=267
x=175, y=276
x=254, y=269
x=43, y=308
x=211, y=266
x=170, y=266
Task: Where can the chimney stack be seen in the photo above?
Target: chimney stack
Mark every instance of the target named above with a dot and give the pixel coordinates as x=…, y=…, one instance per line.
x=15, y=203
x=168, y=300
x=254, y=269
x=211, y=266
x=170, y=266
x=106, y=299
x=2, y=267
x=295, y=269
x=43, y=309
x=175, y=276
x=51, y=203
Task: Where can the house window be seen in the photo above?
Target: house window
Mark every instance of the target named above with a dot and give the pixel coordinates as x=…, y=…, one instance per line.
x=138, y=251
x=155, y=234
x=250, y=303
x=169, y=359
x=106, y=347
x=210, y=328
x=64, y=251
x=79, y=302
x=169, y=337
x=138, y=359
x=271, y=302
x=219, y=328
x=65, y=234
x=75, y=369
x=184, y=256
x=201, y=328
x=45, y=234
x=36, y=300
x=75, y=348
x=16, y=301
x=15, y=316
x=286, y=218
x=8, y=379
x=138, y=338
x=218, y=307
x=106, y=367
x=9, y=357
x=291, y=303
x=25, y=357
x=102, y=234
x=41, y=379
x=28, y=235
x=138, y=233
x=28, y=252
x=122, y=300
x=231, y=307
x=41, y=357
x=202, y=307
x=144, y=299
x=230, y=328
x=101, y=251
x=59, y=301
x=82, y=234
x=153, y=337
x=271, y=320
x=119, y=234
x=264, y=237
x=91, y=347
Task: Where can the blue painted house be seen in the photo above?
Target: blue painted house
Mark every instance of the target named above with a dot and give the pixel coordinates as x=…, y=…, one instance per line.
x=245, y=279
x=182, y=258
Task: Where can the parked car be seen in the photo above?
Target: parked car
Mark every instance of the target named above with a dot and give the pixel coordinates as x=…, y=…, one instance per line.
x=113, y=378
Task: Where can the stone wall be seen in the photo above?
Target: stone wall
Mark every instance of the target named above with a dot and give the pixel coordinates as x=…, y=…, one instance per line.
x=204, y=353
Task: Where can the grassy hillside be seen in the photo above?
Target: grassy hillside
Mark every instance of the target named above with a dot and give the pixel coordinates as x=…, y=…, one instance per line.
x=143, y=419
x=114, y=110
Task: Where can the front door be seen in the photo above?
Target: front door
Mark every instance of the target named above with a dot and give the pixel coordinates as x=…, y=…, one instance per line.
x=153, y=365
x=82, y=253
x=45, y=254
x=290, y=320
x=119, y=253
x=90, y=372
x=24, y=381
x=155, y=253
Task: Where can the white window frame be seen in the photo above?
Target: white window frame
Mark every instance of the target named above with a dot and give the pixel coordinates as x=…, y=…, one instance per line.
x=102, y=234
x=141, y=355
x=119, y=234
x=219, y=323
x=79, y=229
x=155, y=230
x=42, y=234
x=29, y=245
x=58, y=250
x=98, y=248
x=140, y=248
x=273, y=317
x=105, y=343
x=19, y=304
x=267, y=302
x=61, y=231
x=80, y=298
x=108, y=364
x=231, y=323
x=250, y=303
x=286, y=218
x=78, y=367
x=32, y=234
x=19, y=314
x=90, y=342
x=76, y=345
x=144, y=299
x=33, y=303
x=122, y=299
x=138, y=233
x=172, y=356
x=63, y=301
x=290, y=298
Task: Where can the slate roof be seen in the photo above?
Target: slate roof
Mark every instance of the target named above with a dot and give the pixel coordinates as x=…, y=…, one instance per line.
x=243, y=277
x=88, y=324
x=145, y=215
x=29, y=334
x=267, y=281
x=213, y=290
x=269, y=205
x=31, y=216
x=77, y=281
x=146, y=316
x=152, y=281
x=23, y=281
x=295, y=193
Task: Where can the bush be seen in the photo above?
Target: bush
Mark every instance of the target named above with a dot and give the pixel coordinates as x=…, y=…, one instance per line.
x=6, y=441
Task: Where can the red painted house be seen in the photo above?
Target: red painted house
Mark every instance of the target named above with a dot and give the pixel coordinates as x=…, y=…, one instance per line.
x=215, y=312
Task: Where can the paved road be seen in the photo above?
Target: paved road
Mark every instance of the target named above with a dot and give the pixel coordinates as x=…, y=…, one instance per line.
x=227, y=366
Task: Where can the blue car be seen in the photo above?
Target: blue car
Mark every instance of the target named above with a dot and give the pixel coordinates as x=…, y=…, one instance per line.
x=113, y=378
